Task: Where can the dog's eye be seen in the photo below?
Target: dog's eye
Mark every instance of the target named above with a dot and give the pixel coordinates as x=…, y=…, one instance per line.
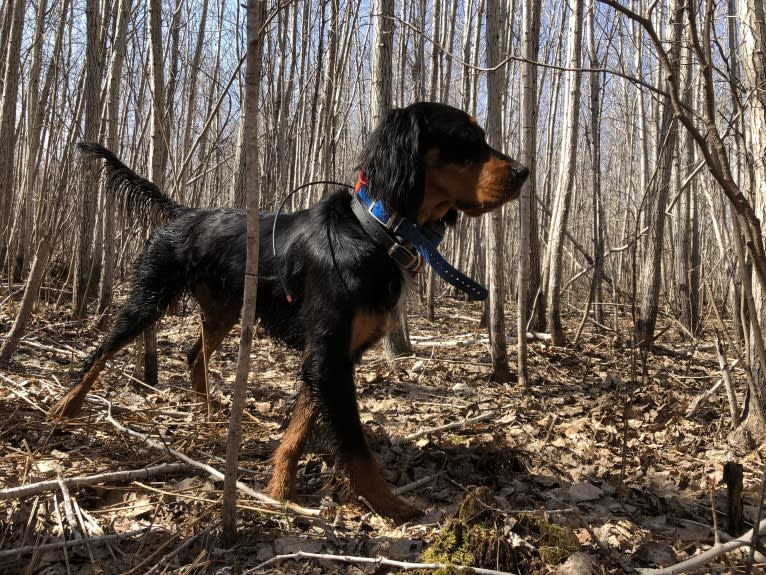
x=467, y=133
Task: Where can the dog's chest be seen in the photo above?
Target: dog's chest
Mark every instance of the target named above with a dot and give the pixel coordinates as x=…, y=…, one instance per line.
x=368, y=327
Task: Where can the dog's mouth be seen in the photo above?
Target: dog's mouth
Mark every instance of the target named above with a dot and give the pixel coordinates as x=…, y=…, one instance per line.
x=497, y=190
x=494, y=198
x=477, y=209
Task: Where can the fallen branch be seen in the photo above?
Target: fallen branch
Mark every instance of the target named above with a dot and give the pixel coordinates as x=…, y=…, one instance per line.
x=38, y=548
x=712, y=553
x=66, y=501
x=415, y=484
x=112, y=477
x=453, y=425
x=212, y=471
x=731, y=396
x=374, y=561
x=168, y=557
x=20, y=394
x=705, y=395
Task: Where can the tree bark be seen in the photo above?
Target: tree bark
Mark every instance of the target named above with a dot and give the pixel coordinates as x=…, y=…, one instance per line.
x=13, y=27
x=157, y=154
x=566, y=174
x=256, y=16
x=398, y=341
x=530, y=33
x=656, y=201
x=497, y=15
x=85, y=259
x=595, y=299
x=31, y=292
x=110, y=127
x=26, y=221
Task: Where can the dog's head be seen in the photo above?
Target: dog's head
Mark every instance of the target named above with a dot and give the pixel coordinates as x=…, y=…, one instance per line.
x=428, y=161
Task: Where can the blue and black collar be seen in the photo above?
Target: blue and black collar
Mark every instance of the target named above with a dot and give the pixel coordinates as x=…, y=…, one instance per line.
x=408, y=244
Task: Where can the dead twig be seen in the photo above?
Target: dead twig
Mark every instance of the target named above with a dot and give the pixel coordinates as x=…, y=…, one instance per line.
x=68, y=511
x=712, y=553
x=39, y=548
x=415, y=484
x=453, y=425
x=112, y=477
x=406, y=565
x=213, y=472
x=172, y=554
x=704, y=396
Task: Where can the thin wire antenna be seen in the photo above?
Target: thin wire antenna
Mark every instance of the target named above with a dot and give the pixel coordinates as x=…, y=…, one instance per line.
x=280, y=271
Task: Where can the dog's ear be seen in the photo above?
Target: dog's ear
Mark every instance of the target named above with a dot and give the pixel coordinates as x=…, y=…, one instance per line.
x=392, y=162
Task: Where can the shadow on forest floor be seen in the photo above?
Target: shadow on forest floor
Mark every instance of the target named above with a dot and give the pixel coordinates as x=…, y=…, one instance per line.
x=616, y=462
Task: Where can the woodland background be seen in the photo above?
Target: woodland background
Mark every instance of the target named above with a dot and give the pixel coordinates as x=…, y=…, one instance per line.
x=644, y=125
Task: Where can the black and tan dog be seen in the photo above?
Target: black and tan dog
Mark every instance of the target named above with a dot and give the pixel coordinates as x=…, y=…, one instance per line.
x=344, y=267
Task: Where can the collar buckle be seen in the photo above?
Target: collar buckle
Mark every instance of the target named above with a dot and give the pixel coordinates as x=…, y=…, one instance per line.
x=381, y=215
x=405, y=257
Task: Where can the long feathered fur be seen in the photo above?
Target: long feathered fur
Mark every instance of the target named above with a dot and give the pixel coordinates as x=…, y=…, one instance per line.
x=138, y=197
x=423, y=162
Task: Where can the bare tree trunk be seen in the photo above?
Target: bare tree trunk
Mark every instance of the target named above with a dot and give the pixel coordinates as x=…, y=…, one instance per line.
x=85, y=258
x=686, y=226
x=157, y=154
x=547, y=199
x=26, y=221
x=753, y=39
x=110, y=130
x=398, y=341
x=497, y=17
x=27, y=303
x=14, y=20
x=256, y=16
x=530, y=33
x=328, y=109
x=566, y=174
x=657, y=198
x=429, y=276
x=594, y=296
x=383, y=11
x=314, y=123
x=191, y=102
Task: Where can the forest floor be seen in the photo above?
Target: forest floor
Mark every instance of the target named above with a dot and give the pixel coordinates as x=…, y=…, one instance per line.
x=590, y=459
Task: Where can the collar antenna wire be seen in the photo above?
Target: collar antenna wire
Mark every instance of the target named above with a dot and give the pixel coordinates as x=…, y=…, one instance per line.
x=280, y=271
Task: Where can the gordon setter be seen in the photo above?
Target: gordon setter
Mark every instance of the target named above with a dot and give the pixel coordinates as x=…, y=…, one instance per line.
x=346, y=273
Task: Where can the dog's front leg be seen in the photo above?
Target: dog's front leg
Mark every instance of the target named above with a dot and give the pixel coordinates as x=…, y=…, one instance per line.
x=328, y=375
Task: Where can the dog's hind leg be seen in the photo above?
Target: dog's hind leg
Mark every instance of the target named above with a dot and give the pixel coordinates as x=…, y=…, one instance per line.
x=304, y=415
x=129, y=324
x=152, y=291
x=214, y=331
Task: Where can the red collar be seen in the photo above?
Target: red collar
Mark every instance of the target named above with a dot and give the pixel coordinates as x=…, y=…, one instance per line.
x=361, y=182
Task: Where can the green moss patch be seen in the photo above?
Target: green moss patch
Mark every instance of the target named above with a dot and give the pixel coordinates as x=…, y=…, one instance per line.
x=480, y=535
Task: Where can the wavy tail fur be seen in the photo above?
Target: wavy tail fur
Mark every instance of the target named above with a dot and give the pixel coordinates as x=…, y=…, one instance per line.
x=138, y=196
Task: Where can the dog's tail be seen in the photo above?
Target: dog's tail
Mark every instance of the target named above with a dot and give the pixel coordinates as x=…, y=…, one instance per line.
x=138, y=195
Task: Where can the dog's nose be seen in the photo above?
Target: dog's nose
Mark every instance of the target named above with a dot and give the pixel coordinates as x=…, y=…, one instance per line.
x=520, y=173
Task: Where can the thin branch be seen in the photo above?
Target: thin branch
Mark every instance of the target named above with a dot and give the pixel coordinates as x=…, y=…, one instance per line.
x=213, y=472
x=373, y=561
x=512, y=58
x=453, y=425
x=113, y=477
x=709, y=555
x=56, y=545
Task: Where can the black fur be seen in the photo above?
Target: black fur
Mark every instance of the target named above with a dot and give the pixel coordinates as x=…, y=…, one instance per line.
x=345, y=286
